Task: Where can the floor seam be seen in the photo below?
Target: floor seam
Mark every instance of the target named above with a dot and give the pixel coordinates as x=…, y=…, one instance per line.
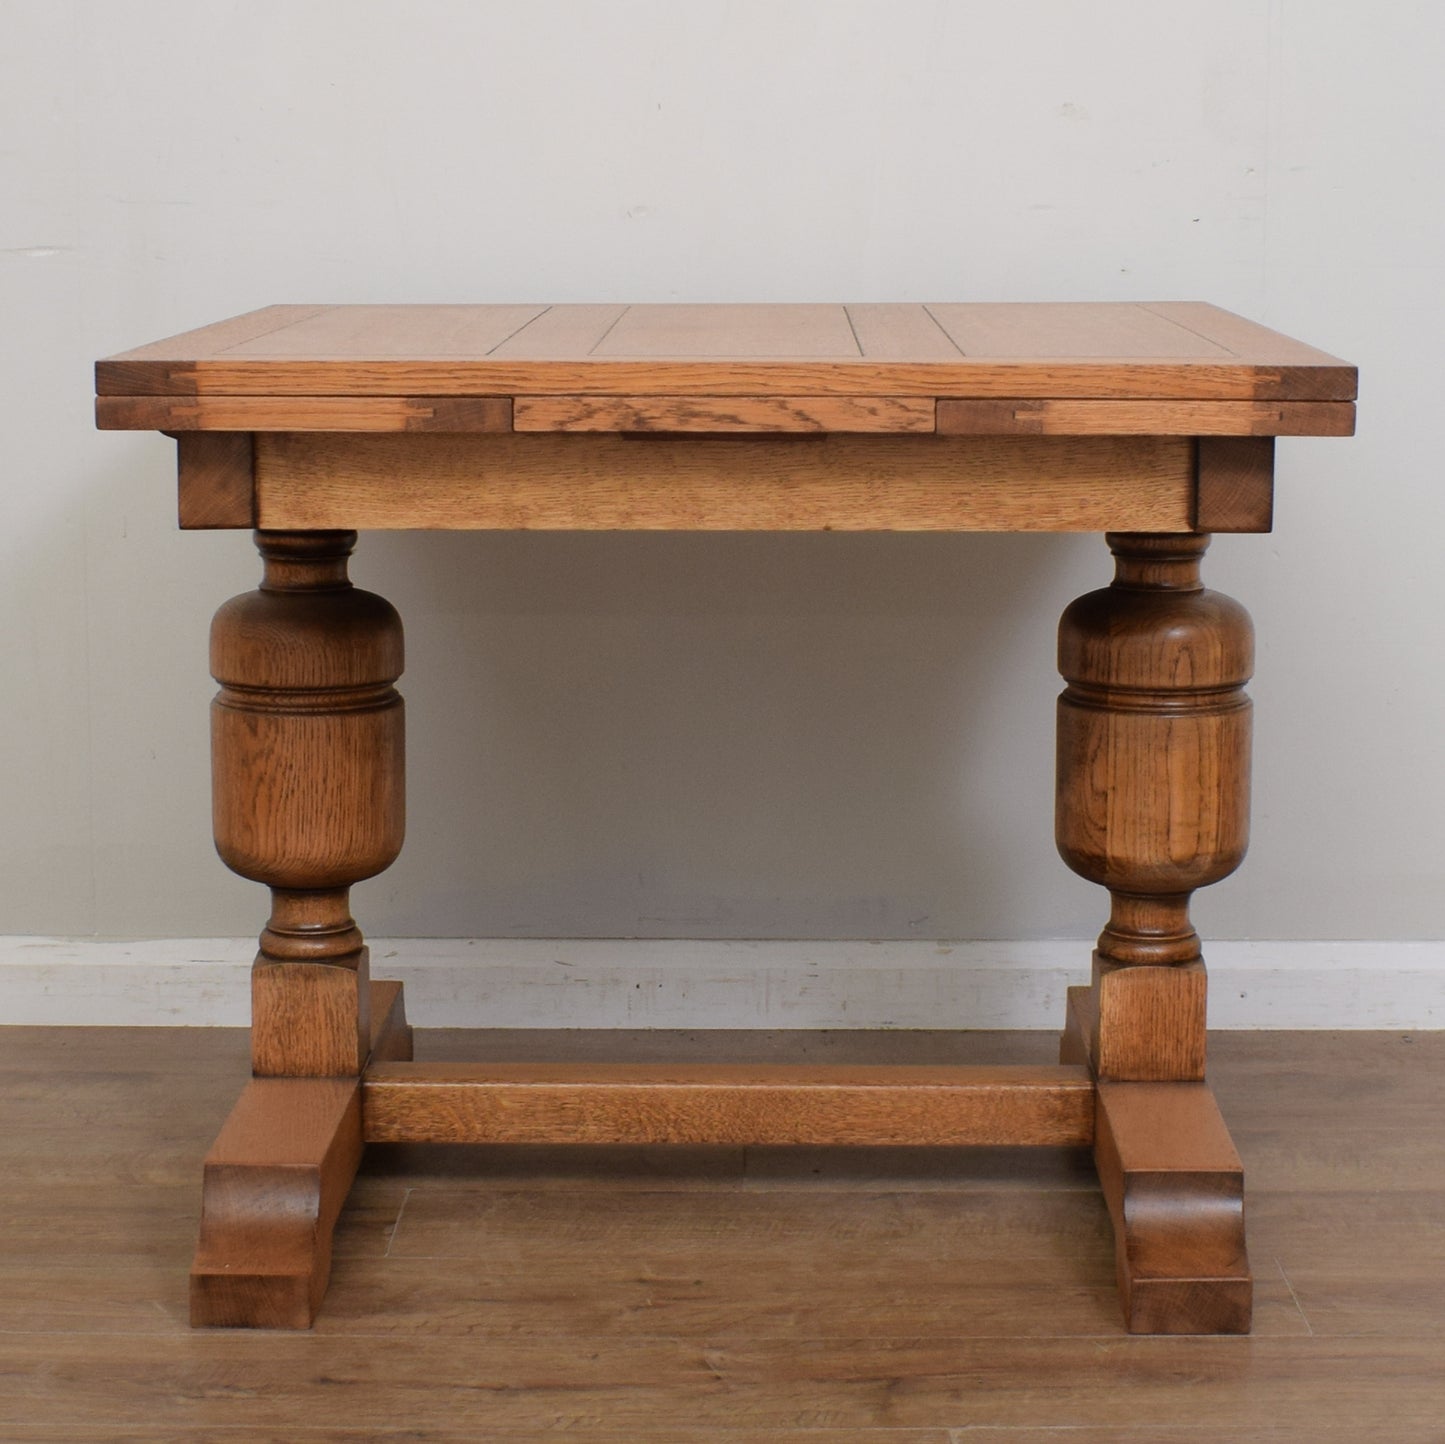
x=1309, y=1326
x=396, y=1222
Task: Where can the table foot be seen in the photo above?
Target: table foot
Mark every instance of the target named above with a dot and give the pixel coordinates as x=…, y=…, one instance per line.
x=1175, y=1189
x=274, y=1184
x=275, y=1181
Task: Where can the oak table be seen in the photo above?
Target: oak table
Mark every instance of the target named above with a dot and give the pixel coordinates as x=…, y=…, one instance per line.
x=1154, y=424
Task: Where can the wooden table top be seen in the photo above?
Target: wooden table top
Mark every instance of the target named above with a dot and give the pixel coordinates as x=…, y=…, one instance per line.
x=959, y=368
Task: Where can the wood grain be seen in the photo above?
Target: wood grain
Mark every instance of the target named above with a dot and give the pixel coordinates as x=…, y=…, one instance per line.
x=310, y=1019
x=1154, y=745
x=1236, y=484
x=381, y=332
x=1052, y=417
x=1101, y=351
x=709, y=414
x=216, y=480
x=303, y=413
x=274, y=1184
x=307, y=727
x=1148, y=1022
x=1152, y=790
x=841, y=483
x=718, y=1103
x=308, y=788
x=1238, y=334
x=1119, y=406
x=890, y=331
x=165, y=365
x=1005, y=1330
x=501, y=376
x=560, y=333
x=723, y=331
x=391, y=1034
x=1037, y=330
x=1175, y=1189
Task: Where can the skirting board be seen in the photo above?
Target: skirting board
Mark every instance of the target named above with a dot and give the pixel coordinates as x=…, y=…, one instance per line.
x=543, y=983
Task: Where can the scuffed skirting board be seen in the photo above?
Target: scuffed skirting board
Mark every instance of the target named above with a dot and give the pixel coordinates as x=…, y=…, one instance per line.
x=535, y=983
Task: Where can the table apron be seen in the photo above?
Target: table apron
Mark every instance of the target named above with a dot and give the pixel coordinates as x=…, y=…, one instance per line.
x=307, y=480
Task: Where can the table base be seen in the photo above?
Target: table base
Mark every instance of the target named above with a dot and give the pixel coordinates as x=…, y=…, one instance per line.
x=279, y=1173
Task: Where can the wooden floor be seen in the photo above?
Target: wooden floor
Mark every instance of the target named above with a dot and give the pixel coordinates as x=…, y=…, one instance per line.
x=875, y=1297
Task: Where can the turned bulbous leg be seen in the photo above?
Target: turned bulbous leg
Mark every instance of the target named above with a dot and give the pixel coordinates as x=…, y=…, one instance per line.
x=308, y=788
x=1153, y=788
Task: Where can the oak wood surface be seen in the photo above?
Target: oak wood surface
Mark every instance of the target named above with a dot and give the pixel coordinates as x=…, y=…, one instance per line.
x=217, y=479
x=1102, y=350
x=1235, y=490
x=727, y=1104
x=720, y=1332
x=1175, y=1189
x=1152, y=789
x=1118, y=406
x=274, y=1184
x=561, y=333
x=392, y=1037
x=1018, y=417
x=708, y=414
x=842, y=483
x=304, y=413
x=308, y=784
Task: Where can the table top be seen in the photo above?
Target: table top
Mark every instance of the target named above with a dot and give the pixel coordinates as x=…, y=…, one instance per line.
x=870, y=367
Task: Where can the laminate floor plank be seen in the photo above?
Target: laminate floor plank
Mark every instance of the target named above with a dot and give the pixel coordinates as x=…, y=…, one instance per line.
x=262, y=1381
x=467, y=1223
x=601, y=1434
x=873, y=1296
x=715, y=1296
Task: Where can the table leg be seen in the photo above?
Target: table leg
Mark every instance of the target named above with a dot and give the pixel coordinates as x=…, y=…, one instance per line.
x=1153, y=802
x=307, y=764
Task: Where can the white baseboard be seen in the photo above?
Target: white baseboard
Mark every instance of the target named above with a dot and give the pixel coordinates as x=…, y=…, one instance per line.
x=541, y=983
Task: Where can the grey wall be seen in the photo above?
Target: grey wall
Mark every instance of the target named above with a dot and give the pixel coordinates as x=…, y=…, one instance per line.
x=818, y=736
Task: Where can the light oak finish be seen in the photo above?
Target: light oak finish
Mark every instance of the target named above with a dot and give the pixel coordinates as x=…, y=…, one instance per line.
x=1235, y=489
x=832, y=483
x=308, y=770
x=273, y=1187
x=1154, y=423
x=1152, y=803
x=217, y=479
x=1124, y=351
x=1018, y=417
x=1153, y=787
x=708, y=414
x=686, y=414
x=1147, y=1021
x=274, y=1183
x=1175, y=1189
x=1072, y=328
x=385, y=332
x=560, y=333
x=893, y=331
x=304, y=413
x=723, y=332
x=727, y=1104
